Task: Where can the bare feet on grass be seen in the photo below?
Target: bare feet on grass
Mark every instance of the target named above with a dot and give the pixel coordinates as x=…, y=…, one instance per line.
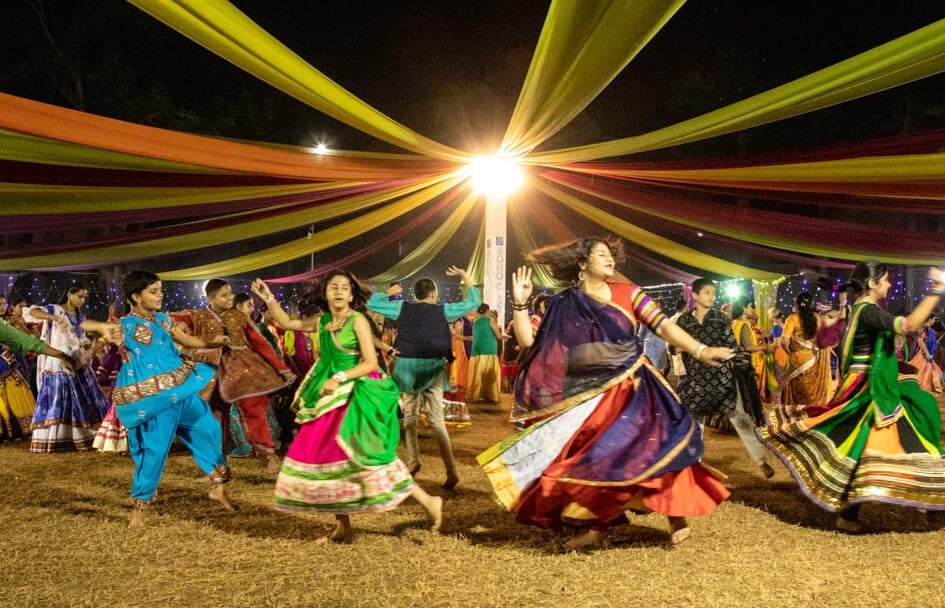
x=218, y=493
x=433, y=506
x=680, y=530
x=588, y=541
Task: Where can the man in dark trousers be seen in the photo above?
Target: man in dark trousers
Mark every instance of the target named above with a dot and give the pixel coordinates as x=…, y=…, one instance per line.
x=423, y=345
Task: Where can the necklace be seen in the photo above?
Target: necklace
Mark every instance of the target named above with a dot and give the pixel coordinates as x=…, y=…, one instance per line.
x=336, y=324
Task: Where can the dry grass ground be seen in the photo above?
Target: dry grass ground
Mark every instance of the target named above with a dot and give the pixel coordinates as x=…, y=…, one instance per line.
x=66, y=543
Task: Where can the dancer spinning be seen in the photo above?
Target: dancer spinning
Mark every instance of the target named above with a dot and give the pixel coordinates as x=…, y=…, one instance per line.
x=157, y=396
x=607, y=433
x=878, y=439
x=344, y=458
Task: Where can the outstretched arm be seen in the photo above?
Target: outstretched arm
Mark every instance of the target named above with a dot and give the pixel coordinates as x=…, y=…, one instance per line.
x=260, y=288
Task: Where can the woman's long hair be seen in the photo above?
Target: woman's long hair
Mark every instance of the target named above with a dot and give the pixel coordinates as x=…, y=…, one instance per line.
x=563, y=261
x=76, y=288
x=805, y=310
x=859, y=282
x=359, y=290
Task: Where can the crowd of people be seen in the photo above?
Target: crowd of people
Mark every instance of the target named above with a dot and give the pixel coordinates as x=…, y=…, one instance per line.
x=610, y=396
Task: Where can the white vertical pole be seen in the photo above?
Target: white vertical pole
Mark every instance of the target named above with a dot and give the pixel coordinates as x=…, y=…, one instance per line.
x=493, y=290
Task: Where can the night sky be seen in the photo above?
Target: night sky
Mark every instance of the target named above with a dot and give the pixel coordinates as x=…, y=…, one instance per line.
x=452, y=71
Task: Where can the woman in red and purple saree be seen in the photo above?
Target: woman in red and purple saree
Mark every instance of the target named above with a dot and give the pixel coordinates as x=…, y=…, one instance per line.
x=605, y=433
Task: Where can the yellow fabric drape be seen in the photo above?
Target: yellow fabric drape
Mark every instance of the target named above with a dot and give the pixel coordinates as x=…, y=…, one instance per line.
x=217, y=236
x=476, y=268
x=414, y=261
x=222, y=29
x=42, y=120
x=521, y=228
x=653, y=242
x=27, y=148
x=900, y=176
x=583, y=46
x=852, y=251
x=905, y=59
x=318, y=241
x=37, y=199
x=766, y=296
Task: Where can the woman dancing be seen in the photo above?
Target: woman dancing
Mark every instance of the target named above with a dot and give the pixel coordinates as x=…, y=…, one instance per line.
x=606, y=432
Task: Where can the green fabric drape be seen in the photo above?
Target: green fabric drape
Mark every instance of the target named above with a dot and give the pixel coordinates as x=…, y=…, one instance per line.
x=521, y=228
x=853, y=251
x=38, y=199
x=914, y=176
x=583, y=46
x=905, y=59
x=766, y=296
x=318, y=241
x=222, y=29
x=414, y=261
x=654, y=242
x=476, y=268
x=98, y=256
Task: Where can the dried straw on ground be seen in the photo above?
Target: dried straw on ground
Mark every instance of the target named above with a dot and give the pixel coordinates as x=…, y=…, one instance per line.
x=66, y=543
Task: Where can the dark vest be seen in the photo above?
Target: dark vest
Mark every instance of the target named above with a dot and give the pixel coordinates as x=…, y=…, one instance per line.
x=422, y=332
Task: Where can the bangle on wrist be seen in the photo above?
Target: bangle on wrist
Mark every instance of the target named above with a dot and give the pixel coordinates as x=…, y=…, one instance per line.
x=270, y=299
x=937, y=291
x=697, y=351
x=517, y=306
x=340, y=377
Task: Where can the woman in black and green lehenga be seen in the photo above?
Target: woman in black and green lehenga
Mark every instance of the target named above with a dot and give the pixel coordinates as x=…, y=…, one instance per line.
x=878, y=439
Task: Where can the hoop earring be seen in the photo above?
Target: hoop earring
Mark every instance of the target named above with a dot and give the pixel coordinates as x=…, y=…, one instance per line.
x=581, y=276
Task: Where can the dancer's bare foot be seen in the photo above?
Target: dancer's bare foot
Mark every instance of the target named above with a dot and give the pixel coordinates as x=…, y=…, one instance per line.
x=343, y=534
x=588, y=541
x=273, y=464
x=217, y=492
x=138, y=515
x=435, y=513
x=680, y=530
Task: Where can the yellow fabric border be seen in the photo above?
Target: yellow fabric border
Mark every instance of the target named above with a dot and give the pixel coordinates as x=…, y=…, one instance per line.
x=905, y=59
x=222, y=29
x=654, y=242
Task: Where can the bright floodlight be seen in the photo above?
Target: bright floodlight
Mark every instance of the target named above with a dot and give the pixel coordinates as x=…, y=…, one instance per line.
x=321, y=149
x=496, y=176
x=733, y=291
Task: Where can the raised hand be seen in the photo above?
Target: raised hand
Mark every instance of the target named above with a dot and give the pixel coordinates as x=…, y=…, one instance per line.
x=260, y=288
x=521, y=284
x=456, y=271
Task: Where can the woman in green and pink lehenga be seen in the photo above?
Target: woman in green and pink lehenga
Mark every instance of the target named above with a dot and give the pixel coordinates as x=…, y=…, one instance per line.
x=878, y=439
x=344, y=460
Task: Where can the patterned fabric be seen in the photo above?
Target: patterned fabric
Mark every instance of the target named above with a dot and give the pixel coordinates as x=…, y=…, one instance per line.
x=69, y=404
x=248, y=367
x=877, y=440
x=16, y=405
x=156, y=376
x=607, y=433
x=809, y=378
x=344, y=458
x=708, y=390
x=927, y=371
x=581, y=347
x=238, y=444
